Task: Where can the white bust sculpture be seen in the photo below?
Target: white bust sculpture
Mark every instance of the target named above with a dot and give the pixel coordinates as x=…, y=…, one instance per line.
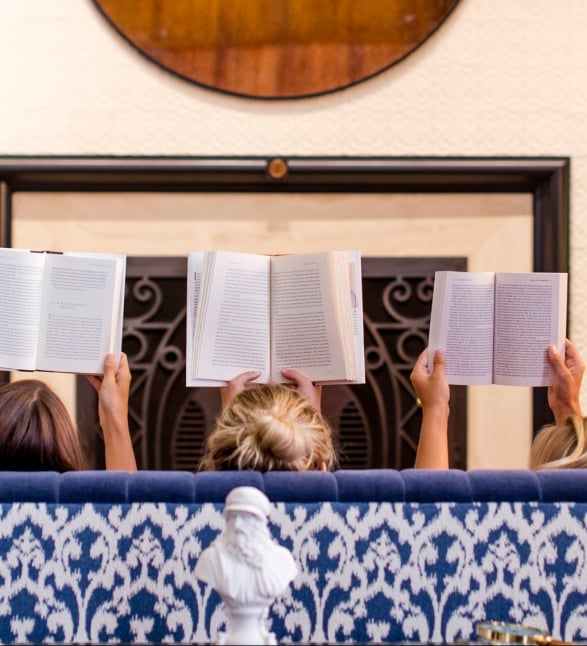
x=246, y=567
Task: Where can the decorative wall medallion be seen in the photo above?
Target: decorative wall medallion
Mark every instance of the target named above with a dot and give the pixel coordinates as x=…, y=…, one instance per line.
x=276, y=49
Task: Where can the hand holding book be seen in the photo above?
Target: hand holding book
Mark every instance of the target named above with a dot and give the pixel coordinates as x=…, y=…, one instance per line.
x=312, y=392
x=564, y=392
x=61, y=312
x=266, y=313
x=432, y=389
x=113, y=389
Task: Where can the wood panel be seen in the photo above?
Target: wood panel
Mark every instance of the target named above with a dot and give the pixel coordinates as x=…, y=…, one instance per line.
x=276, y=49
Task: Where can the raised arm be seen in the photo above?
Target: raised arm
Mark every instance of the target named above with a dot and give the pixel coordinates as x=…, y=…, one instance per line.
x=113, y=391
x=564, y=393
x=434, y=394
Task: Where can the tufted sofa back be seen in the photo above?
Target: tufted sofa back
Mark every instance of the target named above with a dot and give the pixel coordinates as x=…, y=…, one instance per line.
x=374, y=485
x=383, y=555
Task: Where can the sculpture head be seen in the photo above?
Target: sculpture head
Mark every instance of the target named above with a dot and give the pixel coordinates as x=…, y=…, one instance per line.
x=246, y=533
x=249, y=500
x=246, y=567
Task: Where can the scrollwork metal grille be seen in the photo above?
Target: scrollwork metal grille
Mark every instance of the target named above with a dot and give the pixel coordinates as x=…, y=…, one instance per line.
x=377, y=423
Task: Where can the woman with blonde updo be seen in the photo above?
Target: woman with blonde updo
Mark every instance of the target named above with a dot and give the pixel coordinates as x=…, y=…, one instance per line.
x=270, y=427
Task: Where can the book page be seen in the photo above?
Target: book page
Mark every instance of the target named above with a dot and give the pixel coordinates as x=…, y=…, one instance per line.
x=81, y=300
x=21, y=279
x=350, y=262
x=461, y=323
x=307, y=333
x=530, y=315
x=232, y=319
x=117, y=321
x=195, y=270
x=356, y=286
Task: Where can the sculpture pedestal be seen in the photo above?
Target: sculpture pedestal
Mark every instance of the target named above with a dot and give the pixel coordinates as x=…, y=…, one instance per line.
x=246, y=625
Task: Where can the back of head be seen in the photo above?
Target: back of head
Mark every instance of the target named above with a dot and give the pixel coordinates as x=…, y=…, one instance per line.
x=36, y=430
x=269, y=428
x=560, y=447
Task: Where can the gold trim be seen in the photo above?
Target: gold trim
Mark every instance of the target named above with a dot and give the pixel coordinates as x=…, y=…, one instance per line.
x=502, y=632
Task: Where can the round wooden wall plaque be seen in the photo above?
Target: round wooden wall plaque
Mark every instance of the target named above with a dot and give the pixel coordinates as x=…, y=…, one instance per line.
x=276, y=49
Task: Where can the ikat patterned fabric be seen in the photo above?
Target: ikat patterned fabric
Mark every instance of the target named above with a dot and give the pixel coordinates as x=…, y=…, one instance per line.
x=368, y=572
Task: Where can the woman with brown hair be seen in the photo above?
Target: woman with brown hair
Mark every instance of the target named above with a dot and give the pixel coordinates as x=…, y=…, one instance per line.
x=38, y=434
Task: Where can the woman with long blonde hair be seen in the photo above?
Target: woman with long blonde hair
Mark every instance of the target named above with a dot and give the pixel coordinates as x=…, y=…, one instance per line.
x=561, y=445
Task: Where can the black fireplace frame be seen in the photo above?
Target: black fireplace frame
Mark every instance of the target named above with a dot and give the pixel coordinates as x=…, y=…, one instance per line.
x=547, y=179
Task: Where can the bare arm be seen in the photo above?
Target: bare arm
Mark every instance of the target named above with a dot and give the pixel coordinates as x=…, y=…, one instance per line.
x=113, y=391
x=434, y=395
x=563, y=394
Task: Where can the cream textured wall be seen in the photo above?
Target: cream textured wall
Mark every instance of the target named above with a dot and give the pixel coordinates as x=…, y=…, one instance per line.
x=501, y=77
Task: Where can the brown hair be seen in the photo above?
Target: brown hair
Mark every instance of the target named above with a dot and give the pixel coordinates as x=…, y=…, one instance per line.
x=270, y=427
x=560, y=447
x=36, y=430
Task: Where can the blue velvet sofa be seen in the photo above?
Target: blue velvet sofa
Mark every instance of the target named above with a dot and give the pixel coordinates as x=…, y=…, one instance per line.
x=383, y=555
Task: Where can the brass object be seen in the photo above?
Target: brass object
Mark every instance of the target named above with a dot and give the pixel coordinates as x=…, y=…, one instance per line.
x=277, y=168
x=503, y=632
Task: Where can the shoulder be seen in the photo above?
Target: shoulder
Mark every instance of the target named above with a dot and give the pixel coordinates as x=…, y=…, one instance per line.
x=209, y=560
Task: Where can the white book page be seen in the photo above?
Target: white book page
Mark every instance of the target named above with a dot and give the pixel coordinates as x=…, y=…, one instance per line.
x=119, y=260
x=21, y=280
x=461, y=323
x=352, y=260
x=356, y=279
x=195, y=270
x=306, y=332
x=232, y=327
x=118, y=304
x=530, y=315
x=80, y=311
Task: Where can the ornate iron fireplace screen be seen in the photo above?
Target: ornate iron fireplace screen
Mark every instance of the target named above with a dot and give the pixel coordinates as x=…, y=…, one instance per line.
x=377, y=423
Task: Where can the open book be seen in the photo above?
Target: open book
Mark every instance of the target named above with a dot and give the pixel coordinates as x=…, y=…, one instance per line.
x=61, y=312
x=496, y=327
x=258, y=312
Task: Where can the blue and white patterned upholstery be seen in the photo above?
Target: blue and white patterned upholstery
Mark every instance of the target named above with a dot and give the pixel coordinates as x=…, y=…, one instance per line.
x=383, y=556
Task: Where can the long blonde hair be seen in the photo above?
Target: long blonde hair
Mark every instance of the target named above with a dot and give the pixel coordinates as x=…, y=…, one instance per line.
x=269, y=427
x=560, y=447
